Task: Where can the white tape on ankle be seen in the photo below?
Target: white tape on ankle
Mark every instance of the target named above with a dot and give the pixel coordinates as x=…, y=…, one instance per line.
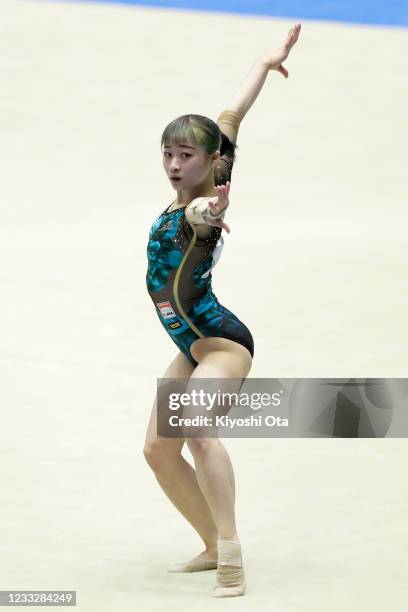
x=229, y=553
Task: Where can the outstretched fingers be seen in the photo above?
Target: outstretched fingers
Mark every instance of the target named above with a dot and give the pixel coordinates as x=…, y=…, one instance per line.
x=220, y=203
x=292, y=36
x=283, y=71
x=222, y=198
x=221, y=224
x=225, y=226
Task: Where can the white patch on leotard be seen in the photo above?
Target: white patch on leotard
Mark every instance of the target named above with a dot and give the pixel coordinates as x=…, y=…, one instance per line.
x=166, y=310
x=215, y=255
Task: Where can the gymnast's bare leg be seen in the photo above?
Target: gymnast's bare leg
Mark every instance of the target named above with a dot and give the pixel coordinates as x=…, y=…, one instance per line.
x=220, y=358
x=178, y=478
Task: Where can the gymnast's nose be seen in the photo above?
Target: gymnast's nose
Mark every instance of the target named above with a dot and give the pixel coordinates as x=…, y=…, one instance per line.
x=174, y=166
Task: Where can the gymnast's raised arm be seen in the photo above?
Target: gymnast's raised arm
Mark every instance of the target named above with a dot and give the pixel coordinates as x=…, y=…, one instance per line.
x=229, y=120
x=211, y=211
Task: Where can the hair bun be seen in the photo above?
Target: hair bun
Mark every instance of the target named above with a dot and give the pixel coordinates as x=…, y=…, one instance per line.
x=227, y=146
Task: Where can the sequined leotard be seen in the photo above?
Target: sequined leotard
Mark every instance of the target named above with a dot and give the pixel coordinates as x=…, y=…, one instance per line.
x=179, y=281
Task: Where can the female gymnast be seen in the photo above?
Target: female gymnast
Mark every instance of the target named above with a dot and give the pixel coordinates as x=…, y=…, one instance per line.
x=185, y=242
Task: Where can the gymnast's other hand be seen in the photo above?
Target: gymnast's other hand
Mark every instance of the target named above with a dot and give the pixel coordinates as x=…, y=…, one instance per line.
x=274, y=60
x=218, y=206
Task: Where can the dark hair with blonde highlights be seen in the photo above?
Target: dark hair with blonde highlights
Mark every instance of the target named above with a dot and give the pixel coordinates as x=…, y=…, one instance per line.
x=200, y=131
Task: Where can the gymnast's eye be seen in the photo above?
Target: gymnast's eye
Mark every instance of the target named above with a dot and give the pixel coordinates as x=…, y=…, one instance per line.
x=166, y=153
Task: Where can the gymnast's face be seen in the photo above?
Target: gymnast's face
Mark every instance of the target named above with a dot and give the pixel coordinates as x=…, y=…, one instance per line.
x=186, y=165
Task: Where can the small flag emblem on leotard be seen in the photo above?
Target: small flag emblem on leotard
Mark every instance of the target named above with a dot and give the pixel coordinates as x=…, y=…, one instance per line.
x=166, y=310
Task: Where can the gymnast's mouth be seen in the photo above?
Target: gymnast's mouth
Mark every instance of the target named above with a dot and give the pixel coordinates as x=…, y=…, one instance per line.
x=175, y=178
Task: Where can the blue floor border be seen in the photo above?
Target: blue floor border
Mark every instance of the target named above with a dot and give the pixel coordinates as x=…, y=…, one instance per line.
x=376, y=12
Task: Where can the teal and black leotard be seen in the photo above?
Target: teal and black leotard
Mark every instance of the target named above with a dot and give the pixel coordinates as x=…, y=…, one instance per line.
x=179, y=281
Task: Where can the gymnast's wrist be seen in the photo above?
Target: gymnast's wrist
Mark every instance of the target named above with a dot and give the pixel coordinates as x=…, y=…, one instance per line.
x=208, y=215
x=199, y=211
x=265, y=62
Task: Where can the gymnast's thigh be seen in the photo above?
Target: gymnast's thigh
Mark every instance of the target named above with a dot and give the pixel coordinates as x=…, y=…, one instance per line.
x=180, y=367
x=236, y=357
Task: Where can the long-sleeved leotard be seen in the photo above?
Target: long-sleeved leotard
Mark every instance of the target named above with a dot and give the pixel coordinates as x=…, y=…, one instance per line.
x=179, y=279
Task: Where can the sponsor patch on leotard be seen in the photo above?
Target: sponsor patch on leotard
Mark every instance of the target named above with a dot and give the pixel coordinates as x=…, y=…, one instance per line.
x=166, y=310
x=174, y=325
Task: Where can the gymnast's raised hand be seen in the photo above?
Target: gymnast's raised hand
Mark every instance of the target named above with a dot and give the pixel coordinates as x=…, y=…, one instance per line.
x=218, y=206
x=210, y=209
x=274, y=60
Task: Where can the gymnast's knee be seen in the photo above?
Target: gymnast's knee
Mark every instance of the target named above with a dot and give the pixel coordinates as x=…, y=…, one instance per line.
x=201, y=445
x=160, y=455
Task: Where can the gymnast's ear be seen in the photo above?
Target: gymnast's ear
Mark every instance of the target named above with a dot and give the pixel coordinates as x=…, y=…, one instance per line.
x=215, y=157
